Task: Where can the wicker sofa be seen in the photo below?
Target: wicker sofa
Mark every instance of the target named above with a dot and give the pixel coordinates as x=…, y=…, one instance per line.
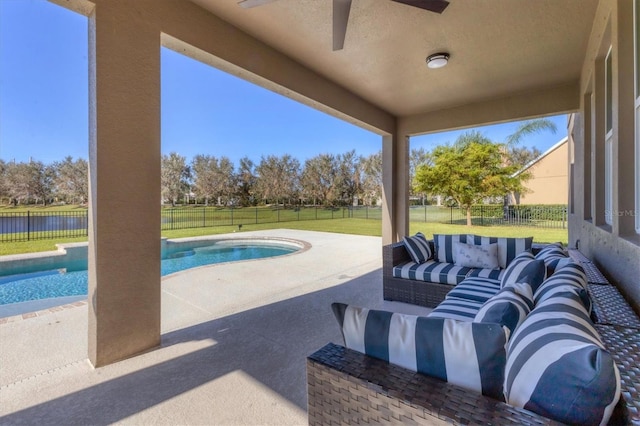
x=422, y=292
x=345, y=386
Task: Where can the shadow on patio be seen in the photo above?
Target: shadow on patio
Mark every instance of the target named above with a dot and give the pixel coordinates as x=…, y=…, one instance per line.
x=245, y=368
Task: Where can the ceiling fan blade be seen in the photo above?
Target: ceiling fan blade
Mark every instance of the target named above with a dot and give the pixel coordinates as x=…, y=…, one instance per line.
x=437, y=6
x=247, y=4
x=341, y=9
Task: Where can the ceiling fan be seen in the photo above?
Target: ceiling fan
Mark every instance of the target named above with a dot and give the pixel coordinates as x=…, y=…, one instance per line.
x=341, y=9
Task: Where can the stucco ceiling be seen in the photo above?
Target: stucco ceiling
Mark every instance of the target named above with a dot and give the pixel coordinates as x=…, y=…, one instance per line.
x=497, y=47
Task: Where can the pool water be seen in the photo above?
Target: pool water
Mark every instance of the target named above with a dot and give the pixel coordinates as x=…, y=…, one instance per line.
x=73, y=280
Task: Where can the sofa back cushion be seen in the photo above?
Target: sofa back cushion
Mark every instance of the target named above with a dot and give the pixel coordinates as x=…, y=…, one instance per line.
x=508, y=248
x=444, y=246
x=558, y=367
x=553, y=257
x=508, y=308
x=569, y=277
x=470, y=355
x=524, y=269
x=418, y=248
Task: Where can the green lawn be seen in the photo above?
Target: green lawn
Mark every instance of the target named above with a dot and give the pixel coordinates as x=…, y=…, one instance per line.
x=344, y=226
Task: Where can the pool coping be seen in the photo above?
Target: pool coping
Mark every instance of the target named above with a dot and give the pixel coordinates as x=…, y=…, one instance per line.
x=303, y=247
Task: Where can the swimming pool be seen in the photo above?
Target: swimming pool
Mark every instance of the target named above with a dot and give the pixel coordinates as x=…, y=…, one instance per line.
x=70, y=278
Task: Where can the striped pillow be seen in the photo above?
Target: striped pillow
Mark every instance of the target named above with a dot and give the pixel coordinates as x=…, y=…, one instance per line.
x=508, y=248
x=524, y=269
x=418, y=247
x=470, y=355
x=508, y=308
x=558, y=367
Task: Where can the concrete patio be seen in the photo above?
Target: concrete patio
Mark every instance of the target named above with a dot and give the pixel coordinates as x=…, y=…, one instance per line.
x=234, y=341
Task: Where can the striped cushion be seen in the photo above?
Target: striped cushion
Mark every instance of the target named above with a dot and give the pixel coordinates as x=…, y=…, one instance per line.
x=524, y=269
x=457, y=309
x=432, y=271
x=569, y=277
x=494, y=274
x=478, y=289
x=508, y=308
x=466, y=354
x=444, y=244
x=418, y=248
x=553, y=257
x=508, y=248
x=558, y=367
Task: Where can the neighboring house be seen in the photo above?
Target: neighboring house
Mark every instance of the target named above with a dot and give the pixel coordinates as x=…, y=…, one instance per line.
x=549, y=183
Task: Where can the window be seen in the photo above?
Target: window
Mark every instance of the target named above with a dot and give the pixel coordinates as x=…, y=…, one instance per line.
x=636, y=38
x=608, y=140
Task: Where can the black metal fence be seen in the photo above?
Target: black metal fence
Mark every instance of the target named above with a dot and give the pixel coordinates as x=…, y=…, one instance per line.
x=27, y=226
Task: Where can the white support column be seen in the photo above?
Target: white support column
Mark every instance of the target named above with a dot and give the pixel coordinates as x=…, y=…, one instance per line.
x=395, y=187
x=124, y=173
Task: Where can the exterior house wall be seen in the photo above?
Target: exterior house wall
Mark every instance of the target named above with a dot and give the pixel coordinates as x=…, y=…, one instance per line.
x=549, y=183
x=614, y=246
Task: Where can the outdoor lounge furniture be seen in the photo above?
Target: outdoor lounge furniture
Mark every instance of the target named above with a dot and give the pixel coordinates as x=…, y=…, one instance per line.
x=346, y=386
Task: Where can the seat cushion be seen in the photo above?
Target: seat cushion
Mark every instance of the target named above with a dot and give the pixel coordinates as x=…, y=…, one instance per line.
x=570, y=276
x=432, y=271
x=476, y=289
x=437, y=347
x=457, y=309
x=494, y=274
x=558, y=367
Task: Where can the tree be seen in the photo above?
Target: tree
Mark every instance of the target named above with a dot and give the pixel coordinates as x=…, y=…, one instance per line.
x=203, y=167
x=278, y=178
x=72, y=180
x=347, y=181
x=417, y=157
x=371, y=187
x=246, y=181
x=318, y=178
x=468, y=171
x=175, y=176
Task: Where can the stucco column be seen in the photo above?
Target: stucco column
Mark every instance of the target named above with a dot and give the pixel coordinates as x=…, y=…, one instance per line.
x=395, y=187
x=124, y=174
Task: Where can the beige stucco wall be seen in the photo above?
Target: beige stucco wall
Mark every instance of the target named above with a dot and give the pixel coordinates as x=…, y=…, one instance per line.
x=614, y=248
x=549, y=183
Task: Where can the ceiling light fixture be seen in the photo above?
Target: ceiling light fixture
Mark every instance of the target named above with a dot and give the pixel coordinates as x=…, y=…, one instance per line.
x=437, y=60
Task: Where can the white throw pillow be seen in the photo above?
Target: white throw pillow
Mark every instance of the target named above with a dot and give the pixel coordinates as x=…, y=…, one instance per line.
x=472, y=256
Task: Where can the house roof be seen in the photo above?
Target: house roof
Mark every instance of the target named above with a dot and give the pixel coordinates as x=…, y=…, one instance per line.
x=500, y=49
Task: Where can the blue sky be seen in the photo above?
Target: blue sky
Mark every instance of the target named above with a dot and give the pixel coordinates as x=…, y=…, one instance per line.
x=44, y=102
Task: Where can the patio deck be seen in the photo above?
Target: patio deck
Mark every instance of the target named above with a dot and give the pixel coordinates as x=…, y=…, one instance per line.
x=234, y=344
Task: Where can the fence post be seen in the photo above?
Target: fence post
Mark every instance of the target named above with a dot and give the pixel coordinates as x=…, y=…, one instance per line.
x=366, y=211
x=172, y=218
x=451, y=219
x=28, y=225
x=278, y=210
x=316, y=207
x=231, y=216
x=204, y=218
x=299, y=208
x=425, y=213
x=256, y=215
x=481, y=215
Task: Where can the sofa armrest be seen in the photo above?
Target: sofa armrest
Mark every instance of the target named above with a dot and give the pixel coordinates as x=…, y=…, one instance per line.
x=347, y=387
x=392, y=255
